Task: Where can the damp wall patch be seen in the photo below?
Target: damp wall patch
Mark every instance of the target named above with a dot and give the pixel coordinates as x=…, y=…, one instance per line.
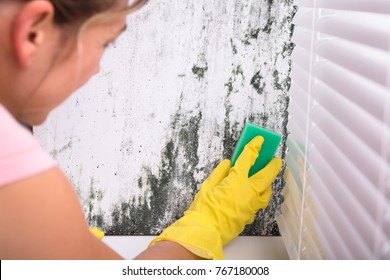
x=169, y=103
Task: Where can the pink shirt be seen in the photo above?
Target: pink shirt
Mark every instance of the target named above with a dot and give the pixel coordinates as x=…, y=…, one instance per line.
x=21, y=156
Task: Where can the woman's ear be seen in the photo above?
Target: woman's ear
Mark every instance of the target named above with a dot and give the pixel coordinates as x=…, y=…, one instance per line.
x=30, y=29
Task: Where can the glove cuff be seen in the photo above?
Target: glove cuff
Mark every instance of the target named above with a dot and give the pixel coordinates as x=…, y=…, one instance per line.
x=196, y=233
x=97, y=232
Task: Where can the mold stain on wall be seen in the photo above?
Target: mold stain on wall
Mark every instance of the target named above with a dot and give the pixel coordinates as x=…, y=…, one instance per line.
x=169, y=104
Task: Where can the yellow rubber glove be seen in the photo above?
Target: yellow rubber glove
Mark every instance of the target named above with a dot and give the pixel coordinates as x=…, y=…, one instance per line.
x=97, y=232
x=227, y=201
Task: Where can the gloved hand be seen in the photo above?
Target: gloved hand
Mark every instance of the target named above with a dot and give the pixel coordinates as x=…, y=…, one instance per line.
x=227, y=201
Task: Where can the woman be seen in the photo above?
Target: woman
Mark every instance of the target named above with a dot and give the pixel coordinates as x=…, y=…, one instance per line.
x=48, y=49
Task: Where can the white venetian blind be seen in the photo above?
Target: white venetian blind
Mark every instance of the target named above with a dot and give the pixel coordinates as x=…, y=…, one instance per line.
x=337, y=196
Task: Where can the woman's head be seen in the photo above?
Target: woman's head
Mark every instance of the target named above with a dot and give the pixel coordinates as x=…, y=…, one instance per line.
x=52, y=47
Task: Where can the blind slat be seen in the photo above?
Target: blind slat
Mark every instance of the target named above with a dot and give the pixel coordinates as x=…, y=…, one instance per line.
x=367, y=62
x=337, y=245
x=293, y=216
x=374, y=6
x=363, y=28
x=299, y=96
x=295, y=161
x=302, y=38
x=346, y=242
x=310, y=238
x=358, y=121
x=300, y=77
x=355, y=86
x=293, y=207
x=363, y=92
x=323, y=236
x=302, y=57
x=356, y=227
x=363, y=216
x=333, y=141
x=298, y=119
x=293, y=127
x=288, y=238
x=304, y=18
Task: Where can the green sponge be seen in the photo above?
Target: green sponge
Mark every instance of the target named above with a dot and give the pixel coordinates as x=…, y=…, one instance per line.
x=268, y=149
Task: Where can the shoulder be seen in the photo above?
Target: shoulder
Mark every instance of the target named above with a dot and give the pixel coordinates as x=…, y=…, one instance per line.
x=21, y=155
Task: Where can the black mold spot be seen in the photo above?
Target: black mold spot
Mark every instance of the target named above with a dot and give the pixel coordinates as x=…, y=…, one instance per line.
x=231, y=132
x=230, y=137
x=268, y=27
x=188, y=137
x=288, y=47
x=94, y=197
x=251, y=34
x=199, y=71
x=258, y=83
x=259, y=118
x=281, y=85
x=235, y=72
x=234, y=47
x=229, y=86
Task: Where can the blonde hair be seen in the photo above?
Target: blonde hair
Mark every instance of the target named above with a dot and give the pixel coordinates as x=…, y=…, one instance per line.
x=76, y=11
x=68, y=12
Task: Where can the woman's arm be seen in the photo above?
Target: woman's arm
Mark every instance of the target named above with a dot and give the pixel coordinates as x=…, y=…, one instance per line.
x=167, y=250
x=41, y=218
